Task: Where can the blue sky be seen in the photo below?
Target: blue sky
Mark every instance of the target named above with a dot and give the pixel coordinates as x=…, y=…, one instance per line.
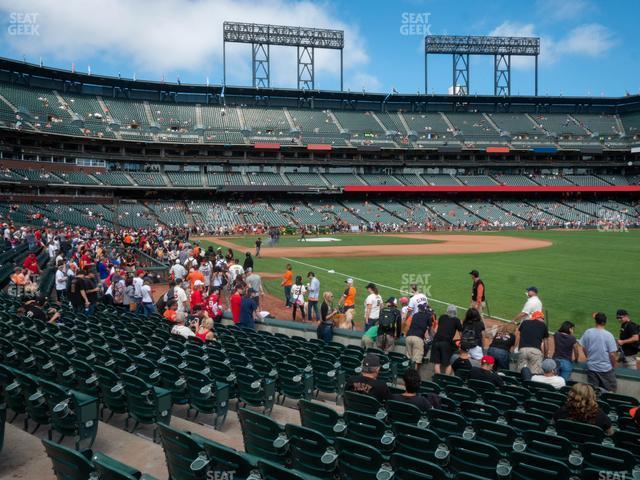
x=589, y=47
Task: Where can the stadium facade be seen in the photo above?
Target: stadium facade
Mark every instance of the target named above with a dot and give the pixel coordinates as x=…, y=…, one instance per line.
x=140, y=152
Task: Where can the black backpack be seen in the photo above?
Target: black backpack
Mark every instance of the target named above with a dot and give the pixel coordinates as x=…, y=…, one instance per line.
x=386, y=319
x=468, y=339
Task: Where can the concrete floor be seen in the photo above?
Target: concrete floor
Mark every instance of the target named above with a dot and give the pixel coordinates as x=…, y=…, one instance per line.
x=24, y=457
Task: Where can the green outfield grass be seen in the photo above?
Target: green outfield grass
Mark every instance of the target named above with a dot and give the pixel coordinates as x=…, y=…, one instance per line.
x=582, y=272
x=346, y=240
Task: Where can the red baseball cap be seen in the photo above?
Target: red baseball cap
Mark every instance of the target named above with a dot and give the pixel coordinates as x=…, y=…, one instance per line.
x=633, y=412
x=139, y=271
x=488, y=359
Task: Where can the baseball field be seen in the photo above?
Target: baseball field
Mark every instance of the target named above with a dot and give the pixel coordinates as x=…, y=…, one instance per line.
x=576, y=272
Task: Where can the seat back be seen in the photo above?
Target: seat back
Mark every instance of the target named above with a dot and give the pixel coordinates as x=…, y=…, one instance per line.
x=367, y=429
x=523, y=421
x=225, y=459
x=600, y=458
x=180, y=450
x=142, y=404
x=259, y=433
x=111, y=469
x=68, y=464
x=307, y=447
x=473, y=411
x=472, y=456
x=527, y=466
x=446, y=423
x=270, y=471
x=502, y=436
x=319, y=417
x=547, y=445
x=579, y=432
x=414, y=441
x=411, y=468
x=357, y=461
x=361, y=403
x=404, y=412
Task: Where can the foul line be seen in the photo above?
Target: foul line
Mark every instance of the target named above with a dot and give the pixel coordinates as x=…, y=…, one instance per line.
x=431, y=299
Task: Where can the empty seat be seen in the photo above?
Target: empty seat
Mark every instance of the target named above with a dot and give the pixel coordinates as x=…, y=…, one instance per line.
x=321, y=418
x=260, y=433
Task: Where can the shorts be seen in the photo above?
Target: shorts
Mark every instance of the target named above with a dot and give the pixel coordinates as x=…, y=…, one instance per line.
x=605, y=380
x=415, y=348
x=441, y=352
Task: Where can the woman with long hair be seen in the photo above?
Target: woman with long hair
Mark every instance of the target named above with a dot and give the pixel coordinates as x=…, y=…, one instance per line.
x=565, y=350
x=582, y=406
x=473, y=323
x=502, y=344
x=297, y=297
x=325, y=325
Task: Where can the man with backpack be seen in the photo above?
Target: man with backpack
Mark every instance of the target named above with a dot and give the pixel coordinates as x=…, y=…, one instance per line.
x=389, y=326
x=418, y=333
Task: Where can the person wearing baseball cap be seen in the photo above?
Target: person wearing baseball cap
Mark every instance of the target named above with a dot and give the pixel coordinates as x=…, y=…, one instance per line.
x=533, y=343
x=485, y=371
x=367, y=382
x=549, y=375
x=478, y=292
x=635, y=416
x=629, y=340
x=533, y=304
x=348, y=301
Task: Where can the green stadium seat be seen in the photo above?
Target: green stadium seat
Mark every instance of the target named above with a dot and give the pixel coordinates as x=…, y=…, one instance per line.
x=186, y=457
x=351, y=362
x=307, y=449
x=294, y=382
x=447, y=380
x=500, y=401
x=3, y=418
x=547, y=445
x=361, y=403
x=254, y=389
x=269, y=471
x=369, y=430
x=321, y=418
x=398, y=411
x=411, y=468
x=460, y=394
x=108, y=468
x=13, y=391
x=527, y=466
x=522, y=421
x=446, y=423
x=225, y=459
x=474, y=411
x=357, y=461
x=414, y=441
x=599, y=458
x=174, y=380
x=628, y=440
x=480, y=386
x=207, y=396
x=329, y=377
x=537, y=386
x=36, y=401
x=263, y=437
x=472, y=456
x=554, y=397
x=578, y=432
x=112, y=394
x=544, y=409
x=69, y=464
x=520, y=393
x=145, y=404
x=493, y=433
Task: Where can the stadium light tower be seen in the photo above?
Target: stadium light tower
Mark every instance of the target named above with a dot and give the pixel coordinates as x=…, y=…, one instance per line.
x=502, y=49
x=262, y=36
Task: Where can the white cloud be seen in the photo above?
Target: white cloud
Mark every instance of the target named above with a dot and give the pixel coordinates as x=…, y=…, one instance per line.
x=563, y=10
x=590, y=40
x=178, y=36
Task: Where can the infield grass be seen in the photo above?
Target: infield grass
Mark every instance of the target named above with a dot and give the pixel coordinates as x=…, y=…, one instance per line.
x=582, y=272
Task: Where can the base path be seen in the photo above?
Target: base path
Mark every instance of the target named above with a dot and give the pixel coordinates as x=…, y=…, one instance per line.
x=446, y=245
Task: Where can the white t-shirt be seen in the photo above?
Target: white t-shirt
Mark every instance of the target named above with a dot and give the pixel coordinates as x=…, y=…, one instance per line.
x=52, y=250
x=61, y=280
x=416, y=300
x=146, y=294
x=375, y=301
x=183, y=330
x=180, y=296
x=137, y=287
x=533, y=304
x=556, y=381
x=234, y=271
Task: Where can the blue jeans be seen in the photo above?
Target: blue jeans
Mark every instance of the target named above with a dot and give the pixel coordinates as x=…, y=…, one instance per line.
x=325, y=332
x=148, y=309
x=501, y=356
x=287, y=295
x=565, y=367
x=313, y=306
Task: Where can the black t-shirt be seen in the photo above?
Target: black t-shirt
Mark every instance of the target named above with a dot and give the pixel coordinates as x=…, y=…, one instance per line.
x=90, y=284
x=33, y=311
x=601, y=419
x=369, y=386
x=479, y=373
x=461, y=364
x=563, y=345
x=447, y=328
x=324, y=311
x=419, y=325
x=418, y=400
x=504, y=341
x=628, y=330
x=258, y=243
x=532, y=332
x=77, y=285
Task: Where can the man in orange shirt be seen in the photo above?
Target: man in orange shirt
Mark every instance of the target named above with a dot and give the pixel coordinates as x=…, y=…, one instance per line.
x=170, y=313
x=287, y=282
x=195, y=275
x=348, y=301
